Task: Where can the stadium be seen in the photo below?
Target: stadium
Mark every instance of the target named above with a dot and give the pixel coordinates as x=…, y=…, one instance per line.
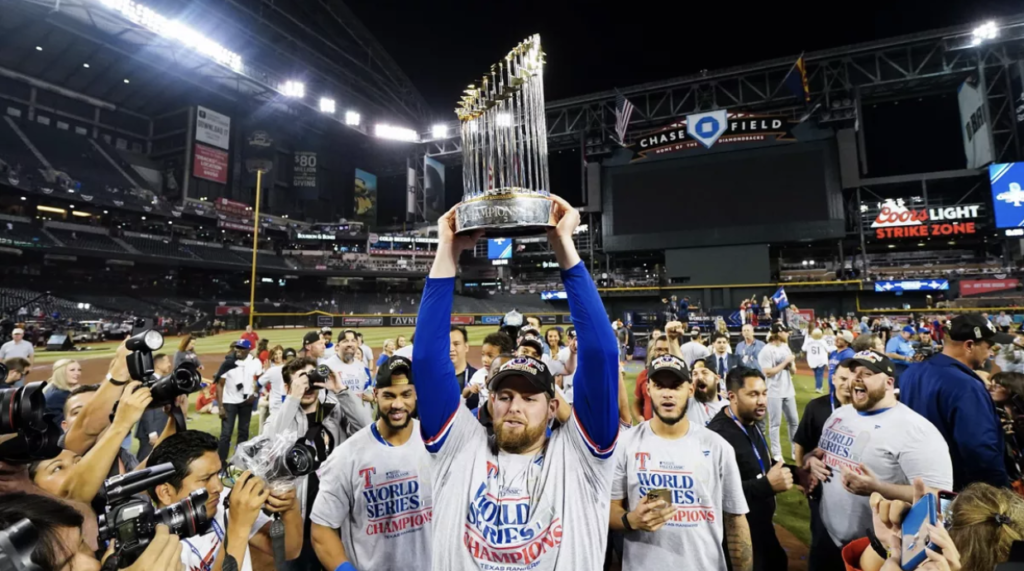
x=199, y=167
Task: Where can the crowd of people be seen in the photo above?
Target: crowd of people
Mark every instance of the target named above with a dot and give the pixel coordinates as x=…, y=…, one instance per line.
x=536, y=460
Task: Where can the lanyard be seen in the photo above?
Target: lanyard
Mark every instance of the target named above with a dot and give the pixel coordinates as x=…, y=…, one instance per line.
x=752, y=445
x=207, y=566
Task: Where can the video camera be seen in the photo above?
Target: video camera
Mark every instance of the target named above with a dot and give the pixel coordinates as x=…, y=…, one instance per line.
x=17, y=543
x=278, y=459
x=23, y=412
x=131, y=521
x=185, y=379
x=319, y=375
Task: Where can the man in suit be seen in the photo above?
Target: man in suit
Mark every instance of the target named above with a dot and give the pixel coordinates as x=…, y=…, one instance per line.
x=721, y=361
x=153, y=421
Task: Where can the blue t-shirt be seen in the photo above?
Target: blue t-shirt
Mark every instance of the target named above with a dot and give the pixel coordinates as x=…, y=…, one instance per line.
x=900, y=346
x=382, y=359
x=748, y=353
x=834, y=358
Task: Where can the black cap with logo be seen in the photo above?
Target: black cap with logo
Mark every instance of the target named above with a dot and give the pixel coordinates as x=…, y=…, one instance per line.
x=395, y=364
x=973, y=327
x=533, y=370
x=671, y=365
x=874, y=361
x=310, y=338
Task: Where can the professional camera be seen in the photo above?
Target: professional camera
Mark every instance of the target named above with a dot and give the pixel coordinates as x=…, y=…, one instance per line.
x=185, y=379
x=22, y=412
x=319, y=375
x=278, y=459
x=131, y=521
x=16, y=546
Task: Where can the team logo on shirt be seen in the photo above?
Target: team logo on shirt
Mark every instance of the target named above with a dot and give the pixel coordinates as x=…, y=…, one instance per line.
x=506, y=529
x=394, y=505
x=843, y=449
x=688, y=492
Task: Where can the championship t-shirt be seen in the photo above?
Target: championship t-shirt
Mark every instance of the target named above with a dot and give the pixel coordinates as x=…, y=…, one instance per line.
x=379, y=497
x=701, y=413
x=507, y=512
x=897, y=444
x=353, y=375
x=199, y=553
x=780, y=384
x=700, y=471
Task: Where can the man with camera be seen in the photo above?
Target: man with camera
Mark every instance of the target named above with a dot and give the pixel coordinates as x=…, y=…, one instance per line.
x=522, y=496
x=17, y=371
x=349, y=368
x=153, y=420
x=236, y=392
x=376, y=490
x=242, y=524
x=322, y=427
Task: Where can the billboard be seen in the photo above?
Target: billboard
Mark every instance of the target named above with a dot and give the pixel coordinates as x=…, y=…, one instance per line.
x=213, y=128
x=365, y=210
x=499, y=248
x=974, y=125
x=1007, y=196
x=553, y=295
x=978, y=287
x=894, y=219
x=304, y=170
x=210, y=164
x=911, y=285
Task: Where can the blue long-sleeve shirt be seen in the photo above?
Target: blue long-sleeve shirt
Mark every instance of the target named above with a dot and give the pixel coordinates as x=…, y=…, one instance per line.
x=955, y=400
x=596, y=381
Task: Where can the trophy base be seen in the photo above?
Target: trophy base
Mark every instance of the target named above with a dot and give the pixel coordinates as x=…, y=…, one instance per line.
x=506, y=215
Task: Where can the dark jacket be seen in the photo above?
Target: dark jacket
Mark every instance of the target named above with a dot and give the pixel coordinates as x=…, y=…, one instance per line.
x=731, y=362
x=227, y=365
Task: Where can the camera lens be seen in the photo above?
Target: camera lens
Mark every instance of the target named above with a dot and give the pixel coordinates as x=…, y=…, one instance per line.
x=186, y=518
x=300, y=460
x=22, y=409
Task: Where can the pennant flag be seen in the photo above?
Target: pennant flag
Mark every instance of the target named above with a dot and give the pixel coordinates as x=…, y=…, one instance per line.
x=780, y=299
x=796, y=80
x=623, y=111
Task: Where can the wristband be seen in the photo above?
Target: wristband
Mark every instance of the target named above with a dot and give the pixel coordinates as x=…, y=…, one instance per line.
x=625, y=522
x=346, y=566
x=876, y=545
x=115, y=382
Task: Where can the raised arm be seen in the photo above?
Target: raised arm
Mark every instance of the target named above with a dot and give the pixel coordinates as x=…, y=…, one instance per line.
x=596, y=383
x=434, y=374
x=95, y=415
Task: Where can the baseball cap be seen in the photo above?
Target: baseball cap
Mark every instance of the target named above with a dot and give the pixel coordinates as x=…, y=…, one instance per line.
x=973, y=327
x=669, y=364
x=529, y=331
x=779, y=328
x=395, y=364
x=17, y=331
x=846, y=336
x=533, y=342
x=909, y=329
x=533, y=370
x=311, y=337
x=874, y=361
x=289, y=353
x=695, y=332
x=243, y=344
x=325, y=329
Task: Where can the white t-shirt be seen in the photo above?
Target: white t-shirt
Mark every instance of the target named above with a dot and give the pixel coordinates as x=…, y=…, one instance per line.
x=21, y=349
x=897, y=444
x=817, y=352
x=405, y=352
x=506, y=512
x=780, y=384
x=691, y=351
x=367, y=354
x=701, y=413
x=277, y=390
x=244, y=374
x=830, y=342
x=379, y=497
x=198, y=553
x=480, y=378
x=701, y=472
x=353, y=375
x=563, y=356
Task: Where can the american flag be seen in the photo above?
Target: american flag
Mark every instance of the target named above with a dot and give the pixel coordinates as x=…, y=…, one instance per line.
x=623, y=111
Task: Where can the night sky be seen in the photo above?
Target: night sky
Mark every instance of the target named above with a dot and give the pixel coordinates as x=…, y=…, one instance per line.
x=443, y=46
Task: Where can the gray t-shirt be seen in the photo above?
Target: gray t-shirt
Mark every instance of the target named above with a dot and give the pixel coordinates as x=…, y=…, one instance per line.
x=701, y=472
x=691, y=351
x=21, y=349
x=379, y=496
x=506, y=512
x=701, y=413
x=896, y=444
x=780, y=384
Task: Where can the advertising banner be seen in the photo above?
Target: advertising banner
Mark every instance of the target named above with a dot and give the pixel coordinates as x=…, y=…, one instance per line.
x=210, y=164
x=716, y=127
x=403, y=320
x=487, y=320
x=911, y=285
x=223, y=310
x=974, y=125
x=566, y=318
x=213, y=128
x=324, y=321
x=462, y=320
x=548, y=319
x=304, y=170
x=977, y=287
x=233, y=226
x=894, y=219
x=365, y=198
x=362, y=321
x=1007, y=197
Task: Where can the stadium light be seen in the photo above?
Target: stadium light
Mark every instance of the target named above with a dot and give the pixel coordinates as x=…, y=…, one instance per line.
x=85, y=65
x=50, y=209
x=24, y=198
x=395, y=133
x=984, y=32
x=126, y=80
x=440, y=131
x=352, y=118
x=81, y=214
x=39, y=48
x=151, y=20
x=327, y=105
x=295, y=89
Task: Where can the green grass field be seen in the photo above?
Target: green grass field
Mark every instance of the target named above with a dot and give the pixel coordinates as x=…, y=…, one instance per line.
x=792, y=511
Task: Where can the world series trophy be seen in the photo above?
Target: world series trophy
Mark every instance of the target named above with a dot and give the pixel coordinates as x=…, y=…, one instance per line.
x=507, y=191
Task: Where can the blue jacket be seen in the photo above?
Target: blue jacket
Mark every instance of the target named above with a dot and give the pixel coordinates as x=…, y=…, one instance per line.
x=955, y=400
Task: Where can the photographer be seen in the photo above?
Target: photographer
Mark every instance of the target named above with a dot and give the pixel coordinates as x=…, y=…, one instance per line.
x=153, y=420
x=80, y=478
x=236, y=391
x=17, y=370
x=61, y=545
x=197, y=466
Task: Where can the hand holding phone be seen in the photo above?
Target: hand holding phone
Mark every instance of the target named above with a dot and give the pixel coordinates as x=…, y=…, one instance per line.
x=917, y=529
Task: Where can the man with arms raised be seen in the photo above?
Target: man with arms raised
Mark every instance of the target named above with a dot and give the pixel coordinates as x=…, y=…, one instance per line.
x=522, y=500
x=874, y=444
x=694, y=467
x=706, y=401
x=376, y=487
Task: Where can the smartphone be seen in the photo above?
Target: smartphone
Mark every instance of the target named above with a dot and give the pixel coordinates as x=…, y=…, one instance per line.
x=945, y=503
x=663, y=494
x=915, y=540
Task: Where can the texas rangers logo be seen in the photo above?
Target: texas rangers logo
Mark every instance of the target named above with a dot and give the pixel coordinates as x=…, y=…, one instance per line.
x=641, y=459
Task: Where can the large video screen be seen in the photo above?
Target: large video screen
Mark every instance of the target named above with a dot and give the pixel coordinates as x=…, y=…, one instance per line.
x=771, y=194
x=1007, y=195
x=499, y=248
